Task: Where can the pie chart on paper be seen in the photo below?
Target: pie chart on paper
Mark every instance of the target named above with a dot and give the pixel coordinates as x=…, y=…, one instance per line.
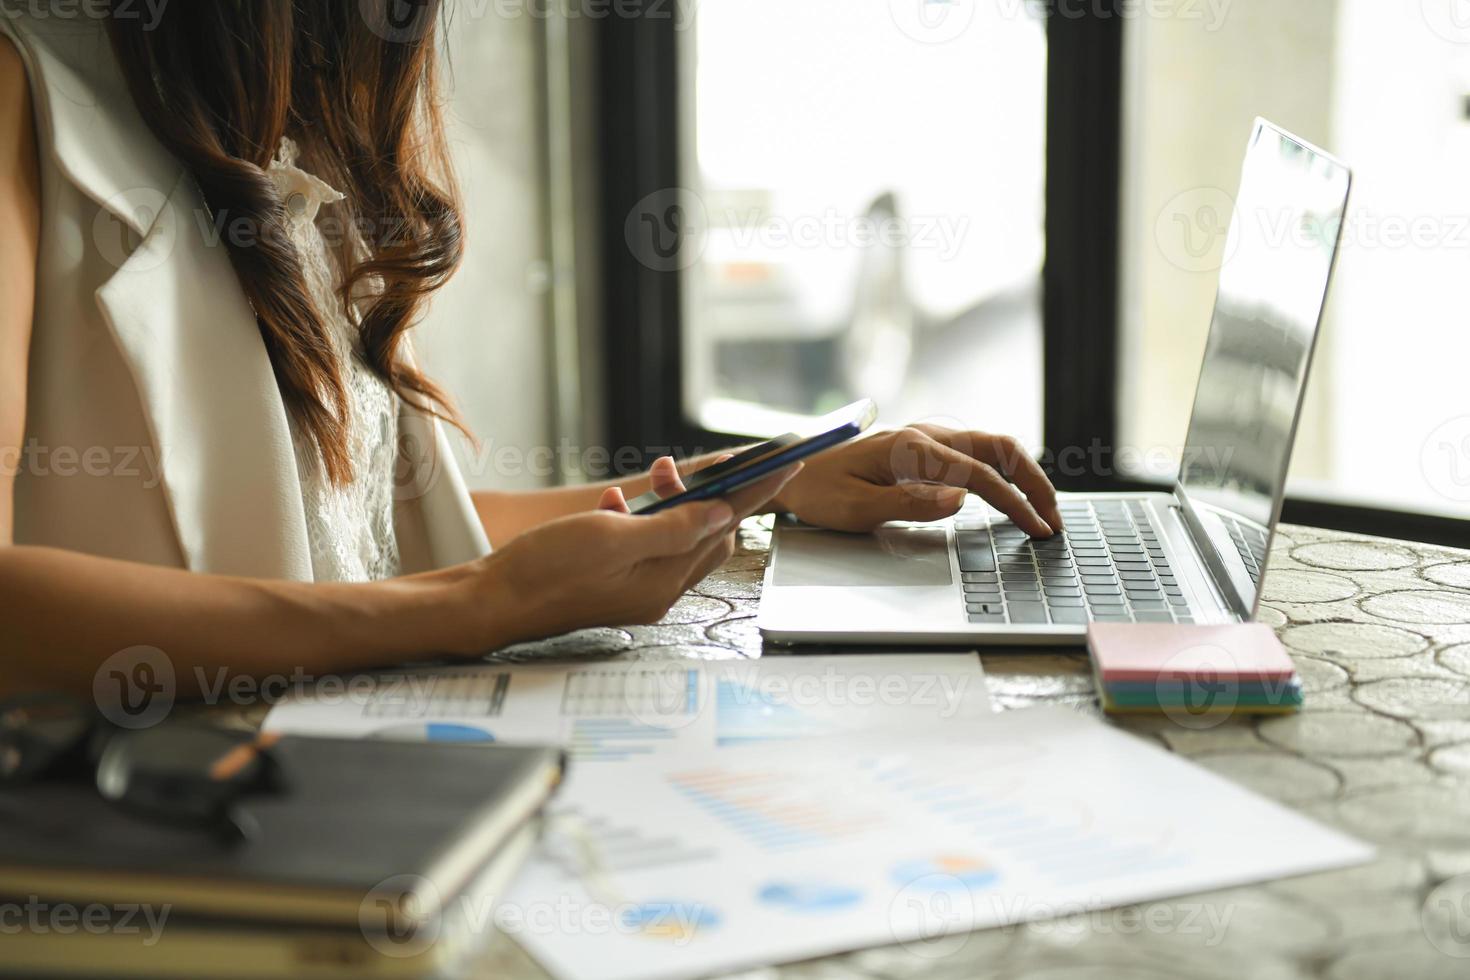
x=946, y=869
x=809, y=897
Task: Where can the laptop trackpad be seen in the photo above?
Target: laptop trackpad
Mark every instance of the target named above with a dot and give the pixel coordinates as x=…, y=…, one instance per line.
x=890, y=556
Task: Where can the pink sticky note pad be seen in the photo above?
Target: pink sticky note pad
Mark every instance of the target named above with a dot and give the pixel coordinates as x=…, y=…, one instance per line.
x=1154, y=651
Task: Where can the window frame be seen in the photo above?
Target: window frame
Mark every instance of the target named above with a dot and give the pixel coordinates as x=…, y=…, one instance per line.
x=638, y=94
x=642, y=307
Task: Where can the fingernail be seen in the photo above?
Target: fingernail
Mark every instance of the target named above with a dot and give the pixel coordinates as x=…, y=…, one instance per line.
x=953, y=497
x=719, y=518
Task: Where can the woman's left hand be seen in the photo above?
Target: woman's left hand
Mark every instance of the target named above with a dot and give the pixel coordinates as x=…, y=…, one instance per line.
x=921, y=473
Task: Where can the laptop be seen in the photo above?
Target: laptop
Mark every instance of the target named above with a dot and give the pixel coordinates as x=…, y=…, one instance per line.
x=1194, y=555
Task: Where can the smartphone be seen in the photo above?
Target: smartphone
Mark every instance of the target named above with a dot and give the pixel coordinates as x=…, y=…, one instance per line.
x=759, y=461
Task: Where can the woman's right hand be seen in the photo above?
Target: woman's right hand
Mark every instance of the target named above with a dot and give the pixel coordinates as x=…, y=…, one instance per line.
x=604, y=567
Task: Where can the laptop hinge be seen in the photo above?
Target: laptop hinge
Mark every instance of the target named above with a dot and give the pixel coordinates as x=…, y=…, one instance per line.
x=1204, y=546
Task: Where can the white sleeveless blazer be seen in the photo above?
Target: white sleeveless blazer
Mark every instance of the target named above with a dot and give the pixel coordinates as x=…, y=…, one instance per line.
x=155, y=430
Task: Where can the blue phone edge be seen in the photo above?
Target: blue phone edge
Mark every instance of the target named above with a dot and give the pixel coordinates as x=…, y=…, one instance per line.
x=752, y=473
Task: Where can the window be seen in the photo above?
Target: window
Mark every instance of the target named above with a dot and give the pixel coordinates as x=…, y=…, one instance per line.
x=861, y=183
x=1384, y=86
x=1012, y=213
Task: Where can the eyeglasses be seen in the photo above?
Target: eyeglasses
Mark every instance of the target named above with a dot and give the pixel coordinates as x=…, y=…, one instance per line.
x=180, y=772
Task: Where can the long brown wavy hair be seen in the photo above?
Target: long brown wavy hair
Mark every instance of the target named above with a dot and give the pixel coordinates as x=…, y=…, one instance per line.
x=354, y=83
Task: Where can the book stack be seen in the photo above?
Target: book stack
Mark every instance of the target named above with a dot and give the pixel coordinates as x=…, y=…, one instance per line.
x=378, y=859
x=1239, y=668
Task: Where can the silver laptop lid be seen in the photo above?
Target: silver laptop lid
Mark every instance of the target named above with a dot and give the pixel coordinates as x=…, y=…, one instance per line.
x=1278, y=263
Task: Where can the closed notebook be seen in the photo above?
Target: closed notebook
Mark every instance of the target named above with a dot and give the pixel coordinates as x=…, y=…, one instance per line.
x=360, y=825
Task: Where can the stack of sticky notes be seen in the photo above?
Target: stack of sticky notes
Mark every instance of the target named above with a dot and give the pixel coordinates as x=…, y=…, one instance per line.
x=1238, y=668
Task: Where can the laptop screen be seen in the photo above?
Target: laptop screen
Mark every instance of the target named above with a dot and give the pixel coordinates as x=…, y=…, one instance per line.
x=1277, y=263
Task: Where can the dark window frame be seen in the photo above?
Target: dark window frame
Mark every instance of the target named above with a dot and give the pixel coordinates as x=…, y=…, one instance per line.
x=1079, y=303
x=643, y=340
x=638, y=91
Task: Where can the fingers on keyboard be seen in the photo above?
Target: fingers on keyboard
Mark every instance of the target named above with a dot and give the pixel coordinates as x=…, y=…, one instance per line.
x=1107, y=566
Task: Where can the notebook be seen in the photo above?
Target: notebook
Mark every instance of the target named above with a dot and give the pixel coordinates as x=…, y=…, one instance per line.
x=363, y=831
x=1231, y=668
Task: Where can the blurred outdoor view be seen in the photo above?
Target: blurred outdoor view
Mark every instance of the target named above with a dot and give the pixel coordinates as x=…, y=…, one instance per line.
x=1384, y=85
x=870, y=174
x=869, y=179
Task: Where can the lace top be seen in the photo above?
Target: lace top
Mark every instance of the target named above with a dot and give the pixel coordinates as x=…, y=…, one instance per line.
x=350, y=528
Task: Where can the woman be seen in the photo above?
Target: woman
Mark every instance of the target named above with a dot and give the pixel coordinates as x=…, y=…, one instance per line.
x=216, y=231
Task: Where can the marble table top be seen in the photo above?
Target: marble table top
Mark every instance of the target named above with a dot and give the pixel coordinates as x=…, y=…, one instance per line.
x=1380, y=631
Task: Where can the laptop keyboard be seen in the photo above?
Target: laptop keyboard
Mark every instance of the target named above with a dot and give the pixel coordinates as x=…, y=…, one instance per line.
x=1250, y=542
x=1108, y=566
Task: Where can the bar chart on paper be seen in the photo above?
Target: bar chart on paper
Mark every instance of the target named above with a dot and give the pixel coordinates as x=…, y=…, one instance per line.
x=617, y=712
x=452, y=694
x=777, y=810
x=1063, y=838
x=669, y=691
x=746, y=714
x=797, y=849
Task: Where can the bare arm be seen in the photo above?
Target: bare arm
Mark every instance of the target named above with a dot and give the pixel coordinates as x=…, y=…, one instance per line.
x=918, y=473
x=507, y=515
x=256, y=627
x=20, y=196
x=63, y=614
